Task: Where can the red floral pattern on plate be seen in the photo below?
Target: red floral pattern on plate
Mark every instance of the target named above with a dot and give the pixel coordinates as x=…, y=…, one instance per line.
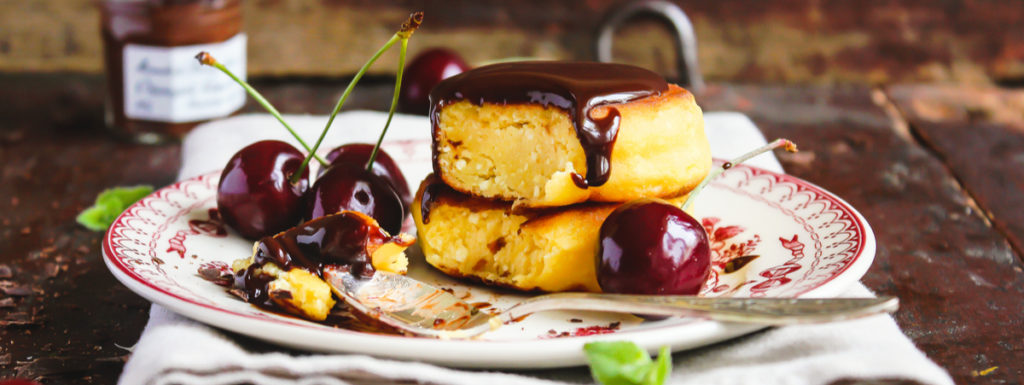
x=828, y=229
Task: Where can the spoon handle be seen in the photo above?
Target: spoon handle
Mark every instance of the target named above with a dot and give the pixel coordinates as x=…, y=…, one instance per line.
x=768, y=311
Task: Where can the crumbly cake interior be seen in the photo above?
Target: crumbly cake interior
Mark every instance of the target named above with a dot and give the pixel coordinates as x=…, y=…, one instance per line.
x=510, y=152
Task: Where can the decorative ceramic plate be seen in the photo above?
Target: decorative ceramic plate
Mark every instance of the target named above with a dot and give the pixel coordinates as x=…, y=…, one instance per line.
x=772, y=235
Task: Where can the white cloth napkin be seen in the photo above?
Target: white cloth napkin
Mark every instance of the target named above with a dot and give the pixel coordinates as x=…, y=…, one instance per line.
x=174, y=350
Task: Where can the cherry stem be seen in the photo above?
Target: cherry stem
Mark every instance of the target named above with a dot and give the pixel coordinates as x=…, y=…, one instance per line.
x=785, y=143
x=406, y=30
x=394, y=101
x=206, y=59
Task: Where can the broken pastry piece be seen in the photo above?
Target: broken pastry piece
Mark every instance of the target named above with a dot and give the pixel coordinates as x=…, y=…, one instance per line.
x=296, y=291
x=284, y=271
x=548, y=134
x=487, y=240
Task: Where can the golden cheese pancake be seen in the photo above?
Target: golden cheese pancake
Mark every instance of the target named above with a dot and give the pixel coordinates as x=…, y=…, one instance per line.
x=589, y=132
x=284, y=270
x=552, y=249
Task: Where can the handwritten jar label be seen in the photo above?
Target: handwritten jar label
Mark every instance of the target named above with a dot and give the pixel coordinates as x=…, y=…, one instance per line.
x=167, y=84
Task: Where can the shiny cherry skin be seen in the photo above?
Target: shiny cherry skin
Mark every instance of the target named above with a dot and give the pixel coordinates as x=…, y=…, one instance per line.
x=254, y=195
x=650, y=246
x=351, y=187
x=423, y=73
x=384, y=167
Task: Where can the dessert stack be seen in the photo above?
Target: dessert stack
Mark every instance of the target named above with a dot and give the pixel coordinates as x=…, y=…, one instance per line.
x=530, y=157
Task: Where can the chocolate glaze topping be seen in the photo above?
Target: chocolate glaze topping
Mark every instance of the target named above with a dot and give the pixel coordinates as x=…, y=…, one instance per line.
x=433, y=189
x=338, y=239
x=576, y=87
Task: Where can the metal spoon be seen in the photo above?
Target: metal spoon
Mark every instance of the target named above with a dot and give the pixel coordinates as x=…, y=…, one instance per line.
x=421, y=309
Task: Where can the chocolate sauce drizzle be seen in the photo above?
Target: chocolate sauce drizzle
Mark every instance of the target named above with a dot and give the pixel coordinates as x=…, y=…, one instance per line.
x=433, y=188
x=576, y=87
x=338, y=239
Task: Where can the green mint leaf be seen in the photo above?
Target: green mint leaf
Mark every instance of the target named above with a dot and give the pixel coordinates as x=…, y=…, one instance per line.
x=661, y=369
x=622, y=363
x=109, y=204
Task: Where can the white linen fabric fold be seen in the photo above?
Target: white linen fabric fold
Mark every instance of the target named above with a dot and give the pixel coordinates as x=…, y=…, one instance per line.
x=176, y=350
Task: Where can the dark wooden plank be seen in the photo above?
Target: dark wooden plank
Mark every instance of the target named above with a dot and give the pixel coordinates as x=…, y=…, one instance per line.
x=961, y=104
x=961, y=286
x=56, y=157
x=980, y=135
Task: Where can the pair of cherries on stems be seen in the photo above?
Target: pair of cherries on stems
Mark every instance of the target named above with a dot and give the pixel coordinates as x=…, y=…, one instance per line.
x=650, y=246
x=265, y=187
x=256, y=197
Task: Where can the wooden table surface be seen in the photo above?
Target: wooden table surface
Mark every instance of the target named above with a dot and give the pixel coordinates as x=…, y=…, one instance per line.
x=938, y=171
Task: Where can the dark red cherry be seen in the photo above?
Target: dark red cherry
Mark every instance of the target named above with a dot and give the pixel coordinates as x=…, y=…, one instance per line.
x=351, y=187
x=254, y=195
x=649, y=246
x=384, y=166
x=423, y=73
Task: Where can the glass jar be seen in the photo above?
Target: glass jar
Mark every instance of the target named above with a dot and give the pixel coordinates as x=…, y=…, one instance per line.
x=156, y=89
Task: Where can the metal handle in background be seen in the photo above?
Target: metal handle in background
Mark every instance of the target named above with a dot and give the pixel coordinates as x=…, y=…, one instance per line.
x=686, y=38
x=768, y=311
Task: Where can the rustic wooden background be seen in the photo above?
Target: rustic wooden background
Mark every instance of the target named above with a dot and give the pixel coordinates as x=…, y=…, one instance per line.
x=807, y=41
x=936, y=170
x=905, y=108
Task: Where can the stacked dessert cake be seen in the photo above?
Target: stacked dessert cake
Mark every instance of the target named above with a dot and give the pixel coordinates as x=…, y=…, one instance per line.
x=530, y=157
